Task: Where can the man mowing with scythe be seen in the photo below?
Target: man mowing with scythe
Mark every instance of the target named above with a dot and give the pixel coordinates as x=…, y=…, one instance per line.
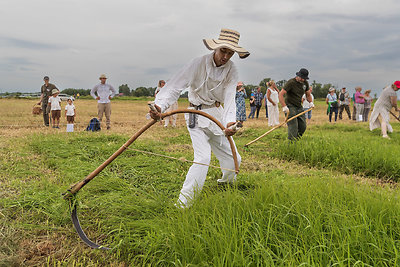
x=294, y=90
x=211, y=80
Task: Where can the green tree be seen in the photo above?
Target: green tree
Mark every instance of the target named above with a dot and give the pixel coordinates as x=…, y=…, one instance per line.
x=141, y=91
x=280, y=84
x=125, y=90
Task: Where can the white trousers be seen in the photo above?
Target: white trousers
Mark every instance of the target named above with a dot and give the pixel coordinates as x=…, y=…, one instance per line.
x=171, y=119
x=204, y=141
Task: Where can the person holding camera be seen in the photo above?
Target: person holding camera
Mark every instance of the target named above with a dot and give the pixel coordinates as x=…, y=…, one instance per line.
x=332, y=101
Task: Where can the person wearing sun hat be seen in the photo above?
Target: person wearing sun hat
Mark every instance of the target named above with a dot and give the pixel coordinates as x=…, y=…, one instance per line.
x=294, y=89
x=211, y=80
x=103, y=92
x=381, y=113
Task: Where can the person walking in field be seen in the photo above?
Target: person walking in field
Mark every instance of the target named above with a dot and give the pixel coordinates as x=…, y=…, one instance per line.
x=271, y=102
x=46, y=90
x=211, y=80
x=55, y=107
x=344, y=103
x=103, y=93
x=306, y=105
x=380, y=114
x=240, y=102
x=294, y=90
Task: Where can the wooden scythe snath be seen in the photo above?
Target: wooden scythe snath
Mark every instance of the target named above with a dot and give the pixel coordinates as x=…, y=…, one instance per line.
x=277, y=126
x=74, y=189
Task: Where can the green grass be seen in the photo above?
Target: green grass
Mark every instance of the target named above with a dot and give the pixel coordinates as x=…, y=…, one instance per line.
x=273, y=216
x=349, y=149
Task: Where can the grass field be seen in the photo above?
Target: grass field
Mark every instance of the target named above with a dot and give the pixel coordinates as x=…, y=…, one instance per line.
x=331, y=198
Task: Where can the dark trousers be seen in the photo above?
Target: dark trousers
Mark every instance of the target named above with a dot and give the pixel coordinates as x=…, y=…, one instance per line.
x=296, y=127
x=347, y=108
x=366, y=113
x=266, y=111
x=354, y=112
x=258, y=110
x=252, y=111
x=45, y=113
x=333, y=110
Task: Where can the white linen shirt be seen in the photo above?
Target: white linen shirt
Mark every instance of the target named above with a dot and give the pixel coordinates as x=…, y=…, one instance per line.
x=206, y=84
x=103, y=91
x=70, y=109
x=55, y=103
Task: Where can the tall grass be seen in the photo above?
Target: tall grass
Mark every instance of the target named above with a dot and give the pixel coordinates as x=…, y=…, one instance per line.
x=350, y=149
x=269, y=218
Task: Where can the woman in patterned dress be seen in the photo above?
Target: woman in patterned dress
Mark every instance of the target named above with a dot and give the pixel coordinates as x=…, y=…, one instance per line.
x=240, y=102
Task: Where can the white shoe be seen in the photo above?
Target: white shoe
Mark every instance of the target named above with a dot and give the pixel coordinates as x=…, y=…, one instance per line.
x=386, y=136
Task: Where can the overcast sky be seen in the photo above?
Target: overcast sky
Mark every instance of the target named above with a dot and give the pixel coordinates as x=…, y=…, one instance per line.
x=343, y=42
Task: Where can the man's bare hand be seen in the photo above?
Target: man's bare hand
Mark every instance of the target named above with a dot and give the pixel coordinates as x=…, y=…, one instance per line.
x=155, y=115
x=229, y=132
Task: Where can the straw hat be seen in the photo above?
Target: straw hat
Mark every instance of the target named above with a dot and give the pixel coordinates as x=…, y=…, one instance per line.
x=103, y=76
x=54, y=91
x=228, y=39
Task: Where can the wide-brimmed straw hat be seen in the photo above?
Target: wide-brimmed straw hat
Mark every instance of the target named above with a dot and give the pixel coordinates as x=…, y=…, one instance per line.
x=54, y=91
x=229, y=39
x=103, y=76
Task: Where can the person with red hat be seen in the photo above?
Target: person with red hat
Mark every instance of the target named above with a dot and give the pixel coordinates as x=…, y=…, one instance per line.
x=381, y=113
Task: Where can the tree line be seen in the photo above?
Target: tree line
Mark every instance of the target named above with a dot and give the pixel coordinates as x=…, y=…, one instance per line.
x=319, y=90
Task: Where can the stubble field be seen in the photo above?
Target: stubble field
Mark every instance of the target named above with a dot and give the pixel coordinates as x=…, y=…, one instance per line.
x=329, y=199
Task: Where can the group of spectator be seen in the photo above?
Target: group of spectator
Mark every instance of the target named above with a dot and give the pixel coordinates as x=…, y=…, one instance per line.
x=270, y=100
x=361, y=104
x=50, y=102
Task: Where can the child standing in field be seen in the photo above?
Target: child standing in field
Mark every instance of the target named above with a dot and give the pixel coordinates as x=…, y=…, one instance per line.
x=55, y=107
x=70, y=113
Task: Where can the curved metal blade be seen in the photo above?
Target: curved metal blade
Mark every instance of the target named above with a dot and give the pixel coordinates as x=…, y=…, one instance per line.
x=79, y=230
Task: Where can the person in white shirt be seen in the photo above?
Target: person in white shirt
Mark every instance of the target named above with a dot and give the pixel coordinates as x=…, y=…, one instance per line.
x=70, y=111
x=272, y=100
x=307, y=105
x=210, y=80
x=104, y=93
x=55, y=107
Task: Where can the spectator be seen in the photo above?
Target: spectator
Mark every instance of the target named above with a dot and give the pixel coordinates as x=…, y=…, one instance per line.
x=353, y=117
x=55, y=107
x=46, y=90
x=70, y=113
x=295, y=88
x=104, y=93
x=240, y=102
x=359, y=102
x=170, y=119
x=271, y=102
x=258, y=96
x=252, y=106
x=380, y=114
x=159, y=86
x=331, y=100
x=367, y=104
x=344, y=103
x=307, y=105
x=212, y=80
